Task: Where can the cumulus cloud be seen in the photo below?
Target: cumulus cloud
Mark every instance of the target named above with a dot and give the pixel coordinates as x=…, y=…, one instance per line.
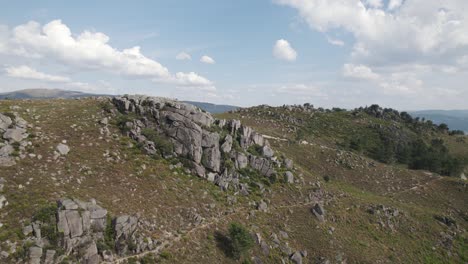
x=193, y=79
x=402, y=48
x=87, y=50
x=359, y=72
x=396, y=81
x=183, y=56
x=207, y=59
x=335, y=42
x=283, y=51
x=26, y=72
x=394, y=4
x=416, y=29
x=300, y=89
x=374, y=3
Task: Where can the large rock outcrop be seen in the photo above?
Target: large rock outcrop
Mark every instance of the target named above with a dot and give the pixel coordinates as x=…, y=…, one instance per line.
x=84, y=231
x=217, y=149
x=13, y=135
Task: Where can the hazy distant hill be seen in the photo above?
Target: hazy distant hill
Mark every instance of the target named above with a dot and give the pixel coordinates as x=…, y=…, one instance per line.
x=213, y=108
x=58, y=93
x=455, y=119
x=44, y=94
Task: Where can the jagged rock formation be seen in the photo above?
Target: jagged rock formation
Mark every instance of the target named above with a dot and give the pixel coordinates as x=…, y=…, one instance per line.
x=13, y=132
x=83, y=231
x=217, y=150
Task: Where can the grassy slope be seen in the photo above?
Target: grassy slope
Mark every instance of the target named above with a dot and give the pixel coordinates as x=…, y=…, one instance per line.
x=165, y=199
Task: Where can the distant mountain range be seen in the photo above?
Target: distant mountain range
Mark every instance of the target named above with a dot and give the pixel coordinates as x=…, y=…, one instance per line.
x=58, y=93
x=455, y=119
x=44, y=94
x=213, y=108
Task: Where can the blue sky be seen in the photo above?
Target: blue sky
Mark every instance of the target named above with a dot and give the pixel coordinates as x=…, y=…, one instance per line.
x=409, y=54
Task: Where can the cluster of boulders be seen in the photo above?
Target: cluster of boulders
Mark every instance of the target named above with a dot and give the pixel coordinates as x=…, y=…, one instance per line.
x=83, y=231
x=387, y=217
x=13, y=135
x=217, y=150
x=350, y=160
x=281, y=243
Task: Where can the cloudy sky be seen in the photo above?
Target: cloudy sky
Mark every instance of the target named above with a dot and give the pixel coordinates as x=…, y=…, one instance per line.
x=405, y=54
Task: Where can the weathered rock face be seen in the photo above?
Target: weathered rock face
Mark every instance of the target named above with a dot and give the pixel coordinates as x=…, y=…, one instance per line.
x=227, y=145
x=217, y=148
x=81, y=223
x=13, y=135
x=5, y=122
x=125, y=227
x=82, y=226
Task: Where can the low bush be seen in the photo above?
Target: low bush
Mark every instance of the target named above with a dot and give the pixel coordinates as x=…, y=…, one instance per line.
x=240, y=240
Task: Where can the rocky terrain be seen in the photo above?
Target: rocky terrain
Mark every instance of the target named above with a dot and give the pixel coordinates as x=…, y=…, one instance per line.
x=138, y=179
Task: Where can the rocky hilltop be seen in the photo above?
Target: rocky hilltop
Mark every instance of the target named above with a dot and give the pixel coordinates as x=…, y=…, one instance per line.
x=139, y=179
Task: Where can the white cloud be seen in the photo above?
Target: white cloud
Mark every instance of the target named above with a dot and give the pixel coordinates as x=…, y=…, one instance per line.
x=402, y=52
x=183, y=56
x=283, y=51
x=396, y=81
x=4, y=35
x=87, y=50
x=394, y=4
x=463, y=61
x=300, y=89
x=374, y=3
x=25, y=72
x=335, y=42
x=359, y=72
x=207, y=59
x=194, y=80
x=418, y=29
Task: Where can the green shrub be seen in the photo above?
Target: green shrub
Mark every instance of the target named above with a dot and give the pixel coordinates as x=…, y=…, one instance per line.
x=46, y=214
x=109, y=233
x=240, y=240
x=165, y=255
x=106, y=106
x=50, y=232
x=148, y=259
x=255, y=150
x=121, y=121
x=162, y=144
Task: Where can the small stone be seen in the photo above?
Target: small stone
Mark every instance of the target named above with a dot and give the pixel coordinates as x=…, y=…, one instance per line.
x=63, y=149
x=289, y=177
x=319, y=212
x=262, y=206
x=296, y=258
x=288, y=164
x=3, y=201
x=104, y=121
x=27, y=230
x=267, y=151
x=284, y=234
